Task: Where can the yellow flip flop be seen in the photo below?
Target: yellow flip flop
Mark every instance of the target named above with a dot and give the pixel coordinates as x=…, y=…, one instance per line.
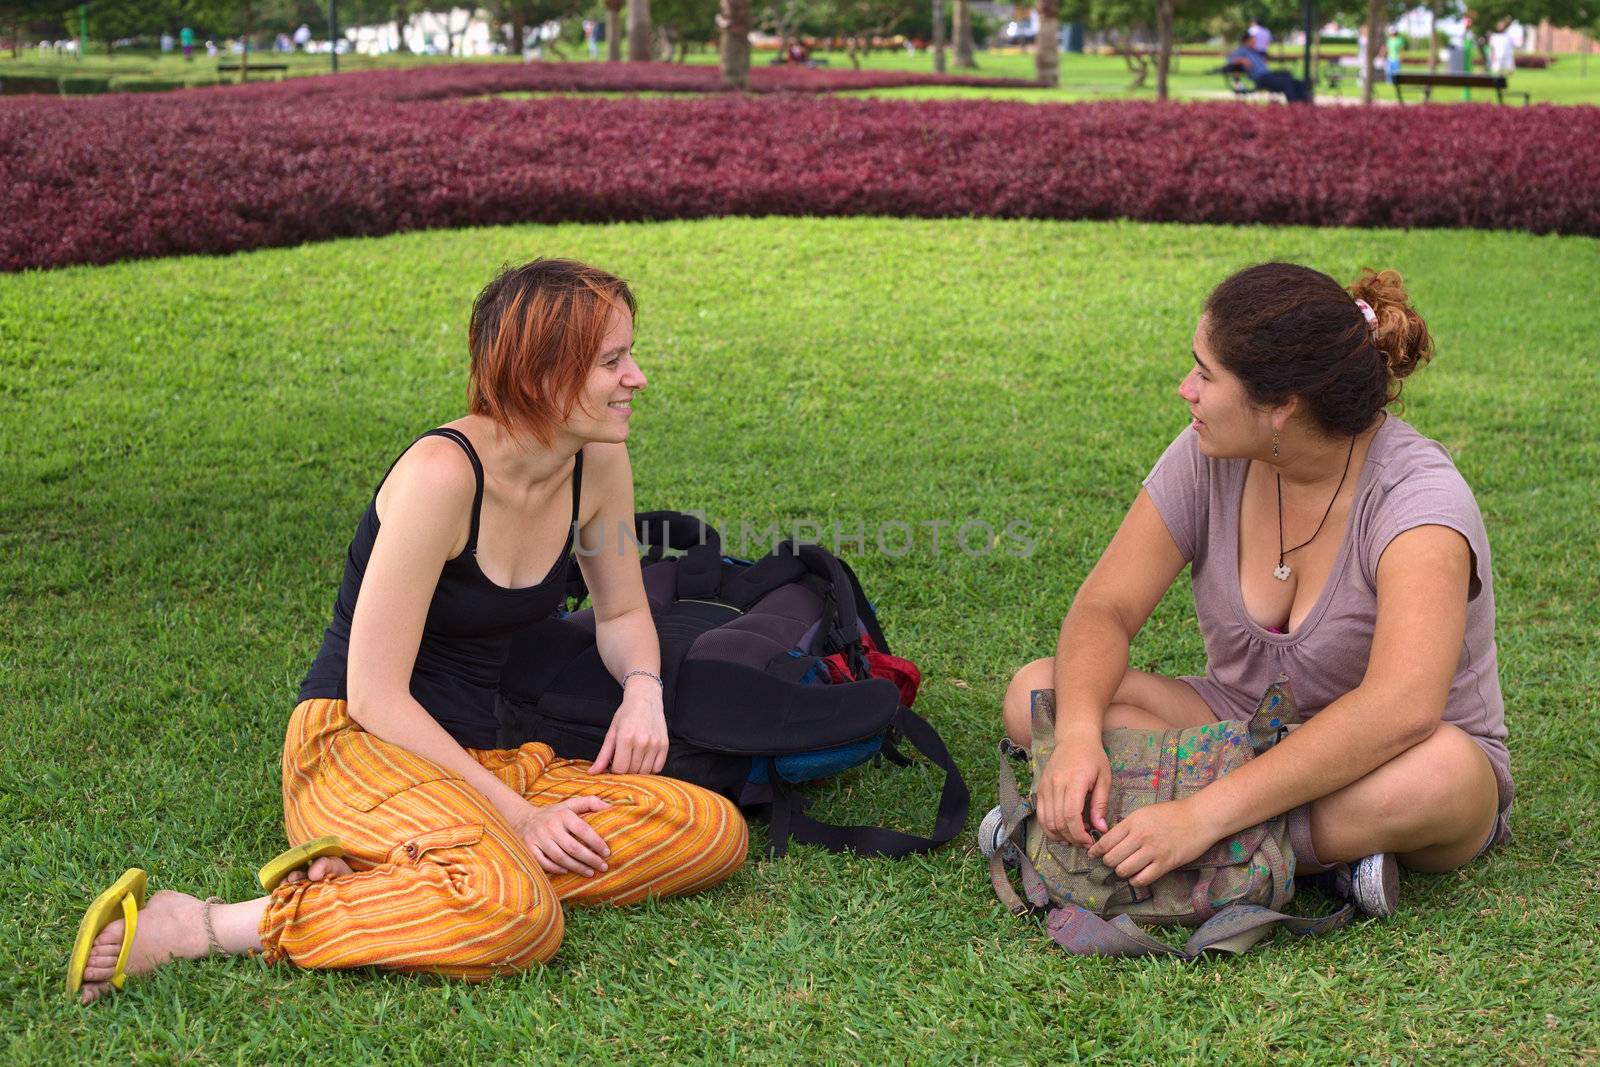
x=277, y=868
x=124, y=898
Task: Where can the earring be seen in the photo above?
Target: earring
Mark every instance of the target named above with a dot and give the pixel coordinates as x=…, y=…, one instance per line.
x=1274, y=444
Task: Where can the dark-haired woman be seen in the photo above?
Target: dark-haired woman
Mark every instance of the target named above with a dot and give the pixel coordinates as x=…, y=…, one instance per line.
x=458, y=853
x=1328, y=541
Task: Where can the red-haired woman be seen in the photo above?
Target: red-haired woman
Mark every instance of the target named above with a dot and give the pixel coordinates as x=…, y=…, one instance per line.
x=458, y=851
x=1328, y=541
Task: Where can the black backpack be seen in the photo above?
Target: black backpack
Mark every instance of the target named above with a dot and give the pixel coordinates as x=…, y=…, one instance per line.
x=751, y=711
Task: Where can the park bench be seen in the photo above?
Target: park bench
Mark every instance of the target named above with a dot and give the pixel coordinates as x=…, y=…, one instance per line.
x=1238, y=81
x=1428, y=82
x=245, y=72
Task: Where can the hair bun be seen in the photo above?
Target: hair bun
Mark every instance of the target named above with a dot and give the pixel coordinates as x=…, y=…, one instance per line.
x=1399, y=334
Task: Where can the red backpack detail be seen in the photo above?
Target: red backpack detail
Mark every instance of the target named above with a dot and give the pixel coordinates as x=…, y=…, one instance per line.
x=902, y=672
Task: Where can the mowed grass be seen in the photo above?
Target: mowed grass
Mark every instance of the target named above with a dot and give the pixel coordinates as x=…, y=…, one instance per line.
x=188, y=444
x=1083, y=76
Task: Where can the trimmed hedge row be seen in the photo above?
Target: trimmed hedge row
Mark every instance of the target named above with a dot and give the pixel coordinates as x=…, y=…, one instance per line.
x=92, y=85
x=216, y=171
x=480, y=79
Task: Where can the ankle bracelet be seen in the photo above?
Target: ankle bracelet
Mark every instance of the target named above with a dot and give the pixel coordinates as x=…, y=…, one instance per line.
x=213, y=946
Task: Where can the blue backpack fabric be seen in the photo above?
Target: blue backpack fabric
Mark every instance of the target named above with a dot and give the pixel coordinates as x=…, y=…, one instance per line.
x=751, y=711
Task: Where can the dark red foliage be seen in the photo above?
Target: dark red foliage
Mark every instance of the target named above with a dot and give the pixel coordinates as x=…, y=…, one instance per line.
x=92, y=180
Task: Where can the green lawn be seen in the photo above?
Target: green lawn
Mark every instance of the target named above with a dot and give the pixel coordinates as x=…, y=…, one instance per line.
x=1083, y=77
x=188, y=443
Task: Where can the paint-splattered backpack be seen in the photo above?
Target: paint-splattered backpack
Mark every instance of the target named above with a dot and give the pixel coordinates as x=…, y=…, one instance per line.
x=1233, y=893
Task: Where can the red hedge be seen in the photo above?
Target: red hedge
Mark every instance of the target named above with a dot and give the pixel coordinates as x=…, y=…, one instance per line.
x=92, y=180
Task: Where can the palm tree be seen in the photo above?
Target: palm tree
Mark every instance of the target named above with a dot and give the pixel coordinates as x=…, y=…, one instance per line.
x=641, y=38
x=1375, y=13
x=1164, y=16
x=1046, y=58
x=961, y=30
x=734, y=20
x=613, y=31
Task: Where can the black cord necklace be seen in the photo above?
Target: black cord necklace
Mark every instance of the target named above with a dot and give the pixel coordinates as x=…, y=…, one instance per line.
x=1281, y=571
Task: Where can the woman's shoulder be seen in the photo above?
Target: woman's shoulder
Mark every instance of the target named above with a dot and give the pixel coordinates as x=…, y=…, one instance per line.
x=1406, y=461
x=1416, y=483
x=436, y=468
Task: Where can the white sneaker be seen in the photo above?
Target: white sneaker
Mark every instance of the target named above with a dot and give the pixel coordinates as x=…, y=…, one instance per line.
x=1375, y=885
x=991, y=835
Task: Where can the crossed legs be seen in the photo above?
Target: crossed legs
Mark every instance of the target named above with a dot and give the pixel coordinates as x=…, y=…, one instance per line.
x=1434, y=805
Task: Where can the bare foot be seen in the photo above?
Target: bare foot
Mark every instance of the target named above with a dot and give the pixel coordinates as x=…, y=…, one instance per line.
x=320, y=869
x=170, y=927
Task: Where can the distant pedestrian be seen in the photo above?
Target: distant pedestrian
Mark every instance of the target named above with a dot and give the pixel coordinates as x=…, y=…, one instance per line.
x=302, y=37
x=589, y=38
x=1395, y=45
x=186, y=42
x=1502, y=52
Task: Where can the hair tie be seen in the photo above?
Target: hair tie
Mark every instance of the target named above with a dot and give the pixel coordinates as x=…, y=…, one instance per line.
x=1367, y=312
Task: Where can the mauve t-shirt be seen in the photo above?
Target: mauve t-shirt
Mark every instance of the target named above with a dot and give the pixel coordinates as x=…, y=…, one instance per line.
x=1406, y=481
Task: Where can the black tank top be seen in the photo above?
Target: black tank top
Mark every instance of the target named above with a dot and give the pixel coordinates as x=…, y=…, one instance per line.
x=469, y=629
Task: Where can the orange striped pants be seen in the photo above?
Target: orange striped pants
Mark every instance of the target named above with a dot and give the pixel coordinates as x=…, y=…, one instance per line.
x=442, y=883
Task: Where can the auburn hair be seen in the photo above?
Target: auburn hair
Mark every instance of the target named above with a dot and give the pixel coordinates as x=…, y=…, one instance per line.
x=535, y=332
x=1287, y=330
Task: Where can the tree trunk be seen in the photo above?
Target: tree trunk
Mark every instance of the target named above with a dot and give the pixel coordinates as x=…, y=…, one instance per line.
x=641, y=40
x=1374, y=42
x=1164, y=46
x=734, y=18
x=249, y=14
x=1046, y=55
x=938, y=36
x=519, y=33
x=961, y=31
x=613, y=31
x=1137, y=64
x=1433, y=38
x=450, y=29
x=402, y=20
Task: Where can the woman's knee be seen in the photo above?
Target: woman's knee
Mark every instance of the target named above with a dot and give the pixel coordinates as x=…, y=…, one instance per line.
x=1455, y=794
x=729, y=841
x=1017, y=709
x=498, y=910
x=1434, y=804
x=698, y=838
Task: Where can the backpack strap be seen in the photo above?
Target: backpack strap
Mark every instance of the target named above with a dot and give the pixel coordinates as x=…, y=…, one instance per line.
x=789, y=819
x=699, y=573
x=658, y=531
x=1232, y=930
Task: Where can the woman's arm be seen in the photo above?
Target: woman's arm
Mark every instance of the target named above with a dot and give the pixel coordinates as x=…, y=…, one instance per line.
x=426, y=506
x=1423, y=578
x=625, y=633
x=1112, y=605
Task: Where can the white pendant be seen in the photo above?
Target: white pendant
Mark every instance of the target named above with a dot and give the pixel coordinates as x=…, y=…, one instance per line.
x=1281, y=572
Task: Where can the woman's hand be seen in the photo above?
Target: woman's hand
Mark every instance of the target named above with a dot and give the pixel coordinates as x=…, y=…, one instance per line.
x=1154, y=840
x=637, y=740
x=1076, y=783
x=559, y=838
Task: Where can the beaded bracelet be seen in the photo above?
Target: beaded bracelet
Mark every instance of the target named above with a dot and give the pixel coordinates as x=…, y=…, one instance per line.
x=647, y=674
